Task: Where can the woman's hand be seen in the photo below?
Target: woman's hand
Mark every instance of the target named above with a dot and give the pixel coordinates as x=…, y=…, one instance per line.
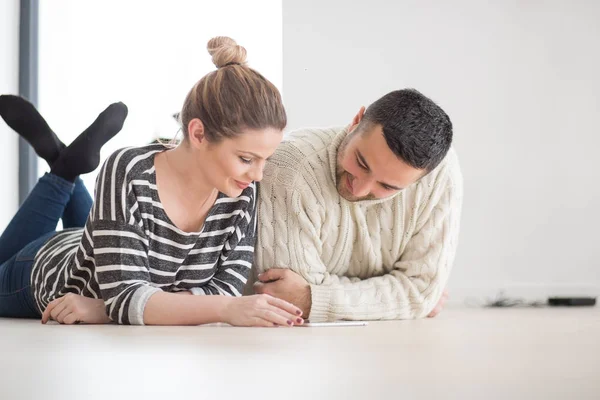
x=73, y=308
x=261, y=310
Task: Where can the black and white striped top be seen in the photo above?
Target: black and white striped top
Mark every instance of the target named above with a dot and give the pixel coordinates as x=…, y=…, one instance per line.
x=130, y=249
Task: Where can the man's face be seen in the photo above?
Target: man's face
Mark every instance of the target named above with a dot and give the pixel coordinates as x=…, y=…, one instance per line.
x=368, y=169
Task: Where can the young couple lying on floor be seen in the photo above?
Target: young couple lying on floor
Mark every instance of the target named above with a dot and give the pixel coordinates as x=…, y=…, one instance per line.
x=354, y=223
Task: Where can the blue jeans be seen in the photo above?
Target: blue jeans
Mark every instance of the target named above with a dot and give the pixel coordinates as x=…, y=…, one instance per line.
x=52, y=199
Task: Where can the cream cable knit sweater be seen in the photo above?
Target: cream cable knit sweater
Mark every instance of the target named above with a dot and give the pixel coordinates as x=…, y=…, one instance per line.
x=374, y=259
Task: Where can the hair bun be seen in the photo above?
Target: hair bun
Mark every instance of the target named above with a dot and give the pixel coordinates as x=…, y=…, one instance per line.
x=225, y=51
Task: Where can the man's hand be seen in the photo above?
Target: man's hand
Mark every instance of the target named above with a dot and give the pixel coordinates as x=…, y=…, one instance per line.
x=440, y=305
x=286, y=285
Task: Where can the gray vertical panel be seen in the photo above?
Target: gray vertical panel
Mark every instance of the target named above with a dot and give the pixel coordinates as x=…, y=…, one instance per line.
x=28, y=88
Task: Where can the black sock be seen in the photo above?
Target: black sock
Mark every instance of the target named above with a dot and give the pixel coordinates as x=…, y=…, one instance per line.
x=24, y=119
x=83, y=155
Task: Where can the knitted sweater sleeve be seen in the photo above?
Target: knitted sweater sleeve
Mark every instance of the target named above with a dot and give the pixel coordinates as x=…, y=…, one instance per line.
x=414, y=285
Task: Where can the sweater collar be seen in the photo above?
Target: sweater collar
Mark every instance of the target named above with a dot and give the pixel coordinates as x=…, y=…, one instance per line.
x=332, y=151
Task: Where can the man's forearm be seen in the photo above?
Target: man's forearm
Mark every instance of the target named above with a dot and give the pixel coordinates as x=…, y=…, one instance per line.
x=391, y=296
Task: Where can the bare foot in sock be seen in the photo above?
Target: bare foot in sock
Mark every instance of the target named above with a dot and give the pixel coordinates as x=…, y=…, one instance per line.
x=83, y=155
x=24, y=119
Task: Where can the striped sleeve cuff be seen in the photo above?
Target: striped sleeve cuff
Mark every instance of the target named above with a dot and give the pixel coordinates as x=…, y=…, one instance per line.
x=138, y=303
x=198, y=291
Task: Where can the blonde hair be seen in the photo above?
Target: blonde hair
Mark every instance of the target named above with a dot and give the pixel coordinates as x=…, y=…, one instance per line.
x=232, y=98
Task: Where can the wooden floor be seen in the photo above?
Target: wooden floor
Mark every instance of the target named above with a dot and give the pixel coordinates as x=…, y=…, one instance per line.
x=462, y=354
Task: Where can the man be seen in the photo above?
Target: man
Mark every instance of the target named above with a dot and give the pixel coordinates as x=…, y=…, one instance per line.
x=362, y=223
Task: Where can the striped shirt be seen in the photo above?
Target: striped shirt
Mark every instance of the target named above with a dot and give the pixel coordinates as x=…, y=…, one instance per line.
x=129, y=249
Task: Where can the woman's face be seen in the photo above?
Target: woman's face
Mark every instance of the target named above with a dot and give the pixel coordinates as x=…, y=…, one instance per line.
x=232, y=164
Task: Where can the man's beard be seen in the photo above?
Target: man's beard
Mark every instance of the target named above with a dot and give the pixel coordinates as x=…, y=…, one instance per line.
x=341, y=176
x=340, y=173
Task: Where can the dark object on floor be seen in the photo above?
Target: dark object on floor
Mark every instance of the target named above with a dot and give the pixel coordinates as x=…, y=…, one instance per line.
x=572, y=301
x=503, y=301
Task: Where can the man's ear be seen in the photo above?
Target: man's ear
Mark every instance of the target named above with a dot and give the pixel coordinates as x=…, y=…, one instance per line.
x=196, y=132
x=356, y=120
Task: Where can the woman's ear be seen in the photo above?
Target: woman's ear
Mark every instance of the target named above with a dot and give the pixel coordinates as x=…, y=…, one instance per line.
x=196, y=132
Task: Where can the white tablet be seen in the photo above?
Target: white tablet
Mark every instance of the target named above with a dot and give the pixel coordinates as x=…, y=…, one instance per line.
x=336, y=323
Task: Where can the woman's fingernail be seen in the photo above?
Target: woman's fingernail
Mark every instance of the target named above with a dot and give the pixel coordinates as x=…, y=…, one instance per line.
x=289, y=322
x=299, y=320
x=298, y=312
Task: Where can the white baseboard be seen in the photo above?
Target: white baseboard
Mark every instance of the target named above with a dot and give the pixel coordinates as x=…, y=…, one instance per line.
x=460, y=294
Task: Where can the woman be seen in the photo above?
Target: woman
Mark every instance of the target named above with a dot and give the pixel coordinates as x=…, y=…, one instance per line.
x=167, y=229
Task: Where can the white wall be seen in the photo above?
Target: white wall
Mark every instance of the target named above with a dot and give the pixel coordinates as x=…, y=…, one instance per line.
x=519, y=80
x=9, y=83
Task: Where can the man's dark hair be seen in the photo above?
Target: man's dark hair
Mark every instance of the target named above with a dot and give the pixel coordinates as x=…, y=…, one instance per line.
x=416, y=129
